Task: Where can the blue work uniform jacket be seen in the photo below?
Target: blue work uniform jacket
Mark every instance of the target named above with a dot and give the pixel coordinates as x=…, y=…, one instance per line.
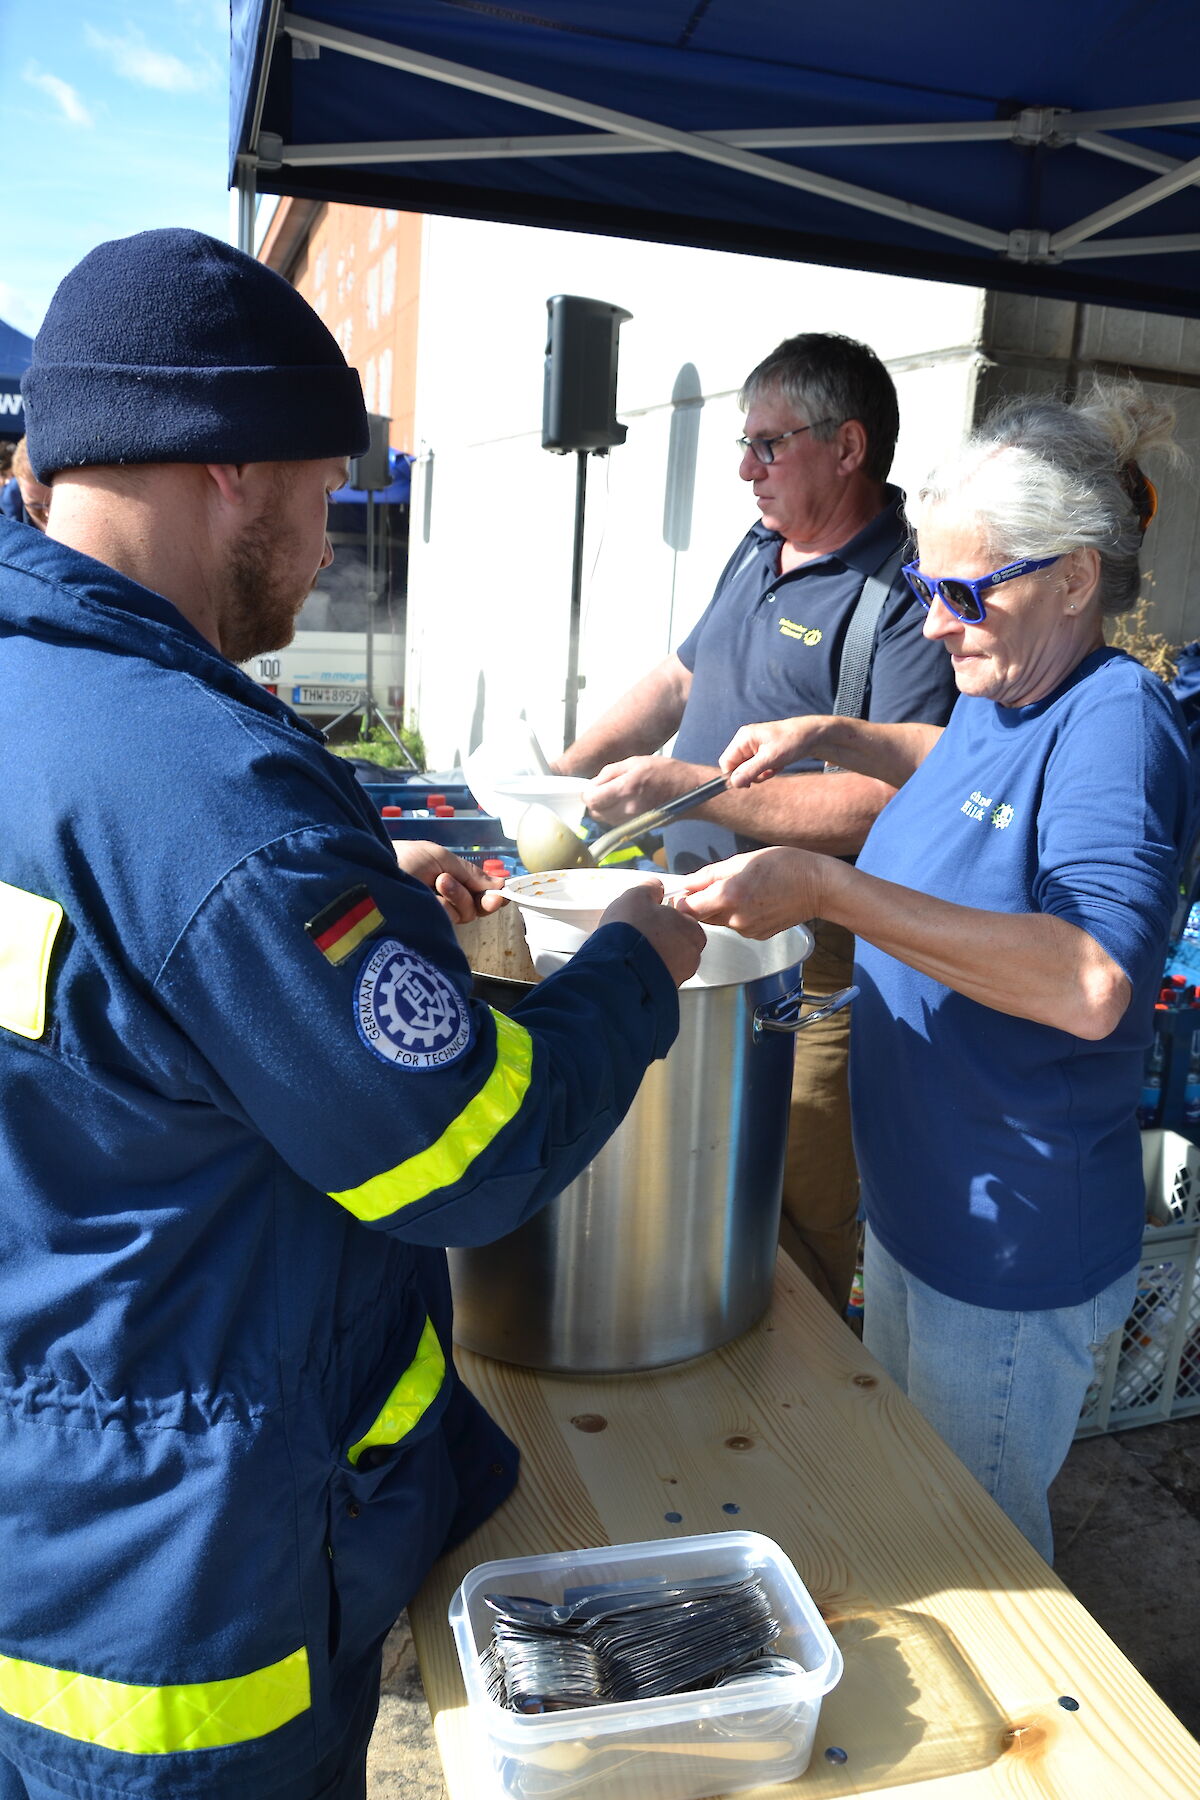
x=247, y=1099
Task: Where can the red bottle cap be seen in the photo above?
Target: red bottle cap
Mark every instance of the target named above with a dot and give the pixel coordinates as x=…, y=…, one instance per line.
x=391, y=812
x=443, y=811
x=435, y=800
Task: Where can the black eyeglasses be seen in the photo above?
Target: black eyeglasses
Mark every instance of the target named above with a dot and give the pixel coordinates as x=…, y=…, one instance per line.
x=763, y=449
x=962, y=597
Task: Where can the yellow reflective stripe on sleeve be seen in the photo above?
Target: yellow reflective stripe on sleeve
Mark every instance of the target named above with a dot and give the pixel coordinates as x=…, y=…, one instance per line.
x=28, y=928
x=156, y=1721
x=634, y=853
x=465, y=1138
x=412, y=1395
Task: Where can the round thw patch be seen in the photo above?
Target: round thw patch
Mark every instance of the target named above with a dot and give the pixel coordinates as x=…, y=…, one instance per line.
x=407, y=1012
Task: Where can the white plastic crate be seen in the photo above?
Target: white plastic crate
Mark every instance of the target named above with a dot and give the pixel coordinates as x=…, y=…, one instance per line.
x=1150, y=1370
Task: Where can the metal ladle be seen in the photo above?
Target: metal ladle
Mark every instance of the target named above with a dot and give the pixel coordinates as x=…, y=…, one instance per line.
x=544, y=842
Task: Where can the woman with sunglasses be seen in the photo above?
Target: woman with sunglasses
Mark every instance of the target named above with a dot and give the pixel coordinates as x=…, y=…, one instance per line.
x=1012, y=907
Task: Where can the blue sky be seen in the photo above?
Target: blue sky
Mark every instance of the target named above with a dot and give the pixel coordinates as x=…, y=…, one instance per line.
x=114, y=120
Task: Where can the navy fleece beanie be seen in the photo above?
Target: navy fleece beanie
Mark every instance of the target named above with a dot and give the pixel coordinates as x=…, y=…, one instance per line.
x=173, y=347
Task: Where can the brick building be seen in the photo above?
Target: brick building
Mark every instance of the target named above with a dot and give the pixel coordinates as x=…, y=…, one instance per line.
x=360, y=268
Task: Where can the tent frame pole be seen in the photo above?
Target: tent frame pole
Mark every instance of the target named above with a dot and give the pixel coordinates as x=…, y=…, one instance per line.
x=625, y=132
x=666, y=137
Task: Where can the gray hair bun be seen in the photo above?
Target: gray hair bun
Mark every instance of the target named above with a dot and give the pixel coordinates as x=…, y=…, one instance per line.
x=1045, y=476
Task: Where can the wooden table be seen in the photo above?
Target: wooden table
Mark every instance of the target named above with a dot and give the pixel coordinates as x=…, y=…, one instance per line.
x=958, y=1640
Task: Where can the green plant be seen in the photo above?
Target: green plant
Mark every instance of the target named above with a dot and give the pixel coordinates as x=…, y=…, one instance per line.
x=379, y=746
x=1130, y=632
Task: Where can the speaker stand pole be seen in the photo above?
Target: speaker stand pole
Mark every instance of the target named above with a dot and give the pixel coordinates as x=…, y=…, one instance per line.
x=366, y=708
x=571, y=698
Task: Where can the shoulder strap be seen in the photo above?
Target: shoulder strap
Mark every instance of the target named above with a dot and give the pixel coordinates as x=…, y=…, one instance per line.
x=860, y=638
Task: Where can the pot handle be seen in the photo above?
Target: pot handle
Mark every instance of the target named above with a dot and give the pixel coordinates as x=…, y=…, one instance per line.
x=784, y=1014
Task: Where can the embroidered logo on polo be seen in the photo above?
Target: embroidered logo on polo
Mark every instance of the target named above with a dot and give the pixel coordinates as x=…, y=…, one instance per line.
x=406, y=1010
x=996, y=812
x=803, y=634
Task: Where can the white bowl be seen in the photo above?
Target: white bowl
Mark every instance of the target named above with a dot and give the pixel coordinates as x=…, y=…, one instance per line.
x=563, y=794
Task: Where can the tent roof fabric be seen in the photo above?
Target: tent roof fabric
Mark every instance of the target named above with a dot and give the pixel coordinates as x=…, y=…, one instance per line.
x=16, y=350
x=1042, y=148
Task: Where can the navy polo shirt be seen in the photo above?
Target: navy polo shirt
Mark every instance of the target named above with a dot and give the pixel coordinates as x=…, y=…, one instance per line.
x=769, y=646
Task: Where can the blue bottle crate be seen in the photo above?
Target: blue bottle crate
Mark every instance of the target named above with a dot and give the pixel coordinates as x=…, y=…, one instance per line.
x=473, y=830
x=413, y=794
x=1170, y=1097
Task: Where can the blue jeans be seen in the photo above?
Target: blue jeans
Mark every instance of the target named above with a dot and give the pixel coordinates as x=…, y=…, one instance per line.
x=1004, y=1389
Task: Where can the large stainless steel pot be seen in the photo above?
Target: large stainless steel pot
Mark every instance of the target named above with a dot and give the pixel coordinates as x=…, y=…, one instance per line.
x=665, y=1246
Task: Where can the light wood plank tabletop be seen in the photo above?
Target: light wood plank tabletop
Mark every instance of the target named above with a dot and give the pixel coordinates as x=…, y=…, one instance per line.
x=959, y=1642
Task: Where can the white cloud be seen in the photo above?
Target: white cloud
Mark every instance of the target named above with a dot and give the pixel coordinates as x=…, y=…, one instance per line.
x=64, y=96
x=216, y=11
x=138, y=61
x=16, y=310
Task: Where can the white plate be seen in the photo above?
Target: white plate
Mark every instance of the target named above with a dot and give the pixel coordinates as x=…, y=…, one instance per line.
x=577, y=896
x=561, y=909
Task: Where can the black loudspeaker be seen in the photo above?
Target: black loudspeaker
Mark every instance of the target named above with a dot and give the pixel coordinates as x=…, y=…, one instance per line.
x=370, y=470
x=580, y=394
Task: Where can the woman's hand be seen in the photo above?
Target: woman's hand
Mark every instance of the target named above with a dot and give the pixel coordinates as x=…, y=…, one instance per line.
x=465, y=891
x=757, y=894
x=757, y=751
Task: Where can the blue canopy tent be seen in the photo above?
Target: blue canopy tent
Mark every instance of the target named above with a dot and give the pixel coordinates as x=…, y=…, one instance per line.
x=15, y=352
x=351, y=503
x=1041, y=147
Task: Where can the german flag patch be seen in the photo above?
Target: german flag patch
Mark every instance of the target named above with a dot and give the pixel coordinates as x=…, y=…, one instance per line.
x=342, y=926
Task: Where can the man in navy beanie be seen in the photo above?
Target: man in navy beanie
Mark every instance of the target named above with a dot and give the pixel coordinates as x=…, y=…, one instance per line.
x=249, y=1096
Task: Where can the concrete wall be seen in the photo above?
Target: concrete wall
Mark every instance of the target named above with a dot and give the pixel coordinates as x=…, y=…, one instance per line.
x=493, y=513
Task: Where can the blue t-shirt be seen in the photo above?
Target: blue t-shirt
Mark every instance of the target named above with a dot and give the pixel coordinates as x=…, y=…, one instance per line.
x=769, y=646
x=1000, y=1158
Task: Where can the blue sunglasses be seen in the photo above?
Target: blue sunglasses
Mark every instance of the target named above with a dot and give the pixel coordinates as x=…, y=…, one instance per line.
x=962, y=597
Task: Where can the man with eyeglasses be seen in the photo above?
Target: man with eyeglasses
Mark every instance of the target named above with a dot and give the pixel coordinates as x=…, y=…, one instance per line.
x=811, y=614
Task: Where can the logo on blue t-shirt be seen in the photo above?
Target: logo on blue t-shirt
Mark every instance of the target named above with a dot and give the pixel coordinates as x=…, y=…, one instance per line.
x=406, y=1010
x=982, y=806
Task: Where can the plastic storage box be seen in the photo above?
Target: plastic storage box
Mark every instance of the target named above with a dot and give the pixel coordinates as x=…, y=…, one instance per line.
x=682, y=1747
x=1150, y=1370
